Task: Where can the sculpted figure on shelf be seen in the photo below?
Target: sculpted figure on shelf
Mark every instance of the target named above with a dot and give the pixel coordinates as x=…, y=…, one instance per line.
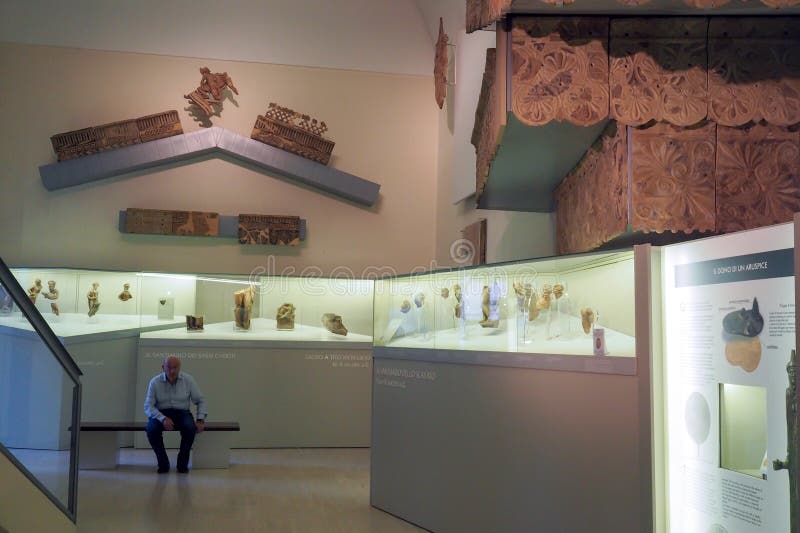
x=125, y=295
x=457, y=296
x=210, y=90
x=93, y=299
x=285, y=316
x=544, y=299
x=405, y=307
x=445, y=293
x=488, y=304
x=588, y=318
x=558, y=290
x=333, y=323
x=52, y=295
x=243, y=305
x=419, y=300
x=533, y=307
x=34, y=291
x=194, y=322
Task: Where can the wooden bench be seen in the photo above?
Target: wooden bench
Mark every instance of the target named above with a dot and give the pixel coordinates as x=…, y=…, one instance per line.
x=99, y=448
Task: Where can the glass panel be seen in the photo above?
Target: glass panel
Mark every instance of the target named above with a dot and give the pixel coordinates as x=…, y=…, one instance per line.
x=36, y=400
x=743, y=429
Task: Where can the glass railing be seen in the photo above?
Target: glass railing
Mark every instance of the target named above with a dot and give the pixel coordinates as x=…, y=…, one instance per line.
x=40, y=394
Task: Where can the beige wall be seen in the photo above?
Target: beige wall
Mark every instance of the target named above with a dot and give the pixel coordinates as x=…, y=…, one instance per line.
x=23, y=507
x=385, y=129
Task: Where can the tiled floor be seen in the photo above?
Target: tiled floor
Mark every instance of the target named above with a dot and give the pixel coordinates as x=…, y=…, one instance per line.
x=292, y=490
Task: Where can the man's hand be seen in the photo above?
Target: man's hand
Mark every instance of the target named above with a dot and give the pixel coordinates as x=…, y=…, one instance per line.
x=200, y=425
x=168, y=425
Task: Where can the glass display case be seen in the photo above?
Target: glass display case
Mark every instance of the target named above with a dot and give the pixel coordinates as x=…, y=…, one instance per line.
x=569, y=305
x=84, y=302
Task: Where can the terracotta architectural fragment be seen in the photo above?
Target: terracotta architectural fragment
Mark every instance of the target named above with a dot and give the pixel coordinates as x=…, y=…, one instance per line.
x=486, y=130
x=269, y=229
x=481, y=13
x=95, y=139
x=673, y=178
x=209, y=92
x=194, y=322
x=243, y=306
x=166, y=222
x=440, y=66
x=333, y=323
x=475, y=235
x=284, y=318
x=294, y=132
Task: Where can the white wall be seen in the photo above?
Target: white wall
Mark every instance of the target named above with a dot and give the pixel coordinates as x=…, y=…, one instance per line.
x=372, y=35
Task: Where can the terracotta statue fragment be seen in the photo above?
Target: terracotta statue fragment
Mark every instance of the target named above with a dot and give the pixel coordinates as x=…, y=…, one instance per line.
x=486, y=309
x=544, y=300
x=243, y=305
x=333, y=323
x=558, y=290
x=52, y=295
x=445, y=292
x=125, y=295
x=34, y=291
x=533, y=307
x=210, y=90
x=419, y=299
x=587, y=319
x=285, y=316
x=6, y=302
x=405, y=307
x=457, y=296
x=93, y=299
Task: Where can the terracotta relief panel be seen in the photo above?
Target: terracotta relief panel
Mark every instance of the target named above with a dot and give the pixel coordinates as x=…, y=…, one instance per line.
x=673, y=178
x=754, y=70
x=659, y=70
x=560, y=69
x=593, y=199
x=481, y=13
x=485, y=130
x=440, y=66
x=758, y=176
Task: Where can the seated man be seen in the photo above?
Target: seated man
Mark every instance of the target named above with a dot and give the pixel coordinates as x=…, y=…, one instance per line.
x=169, y=396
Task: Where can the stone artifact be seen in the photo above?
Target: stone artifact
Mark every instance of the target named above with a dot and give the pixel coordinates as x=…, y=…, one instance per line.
x=793, y=445
x=93, y=299
x=34, y=291
x=194, y=322
x=285, y=316
x=440, y=66
x=458, y=297
x=533, y=305
x=52, y=294
x=168, y=222
x=489, y=308
x=243, y=305
x=333, y=323
x=125, y=295
x=445, y=292
x=545, y=298
x=587, y=319
x=294, y=132
x=269, y=229
x=209, y=92
x=79, y=143
x=747, y=322
x=405, y=307
x=419, y=299
x=745, y=353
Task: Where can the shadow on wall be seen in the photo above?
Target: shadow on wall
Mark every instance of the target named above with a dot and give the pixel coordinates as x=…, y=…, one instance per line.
x=517, y=235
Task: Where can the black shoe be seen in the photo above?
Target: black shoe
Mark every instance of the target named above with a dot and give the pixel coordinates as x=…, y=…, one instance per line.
x=163, y=469
x=183, y=469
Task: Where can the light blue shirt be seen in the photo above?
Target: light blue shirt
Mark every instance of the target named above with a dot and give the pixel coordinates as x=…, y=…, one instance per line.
x=161, y=394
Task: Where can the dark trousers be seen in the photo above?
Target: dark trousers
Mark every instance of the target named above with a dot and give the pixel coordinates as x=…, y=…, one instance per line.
x=184, y=422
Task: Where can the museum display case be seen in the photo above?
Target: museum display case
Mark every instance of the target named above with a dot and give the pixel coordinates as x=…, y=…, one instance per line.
x=580, y=305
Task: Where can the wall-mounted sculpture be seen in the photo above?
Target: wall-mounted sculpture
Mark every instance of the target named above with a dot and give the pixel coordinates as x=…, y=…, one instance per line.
x=95, y=139
x=209, y=92
x=560, y=69
x=166, y=222
x=486, y=130
x=294, y=132
x=269, y=229
x=440, y=66
x=481, y=13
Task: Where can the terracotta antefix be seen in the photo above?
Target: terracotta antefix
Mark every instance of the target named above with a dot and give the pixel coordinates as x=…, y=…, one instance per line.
x=243, y=305
x=95, y=139
x=52, y=294
x=440, y=66
x=333, y=323
x=167, y=222
x=294, y=132
x=93, y=299
x=285, y=316
x=269, y=229
x=209, y=93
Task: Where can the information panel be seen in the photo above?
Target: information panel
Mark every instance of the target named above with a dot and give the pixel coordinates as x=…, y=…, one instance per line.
x=730, y=329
